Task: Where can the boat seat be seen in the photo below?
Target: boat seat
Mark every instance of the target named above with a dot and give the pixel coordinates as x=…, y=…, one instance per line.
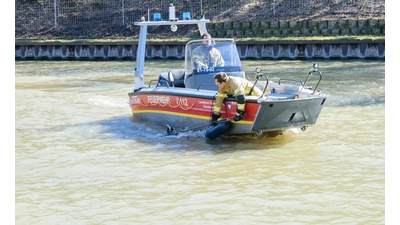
x=176, y=77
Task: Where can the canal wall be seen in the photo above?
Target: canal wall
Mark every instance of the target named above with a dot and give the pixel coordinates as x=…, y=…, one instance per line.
x=362, y=49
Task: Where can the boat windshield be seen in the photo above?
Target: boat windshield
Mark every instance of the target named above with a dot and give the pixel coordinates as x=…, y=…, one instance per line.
x=220, y=56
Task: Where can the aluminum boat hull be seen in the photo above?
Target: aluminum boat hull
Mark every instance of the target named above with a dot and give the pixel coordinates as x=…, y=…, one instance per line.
x=188, y=108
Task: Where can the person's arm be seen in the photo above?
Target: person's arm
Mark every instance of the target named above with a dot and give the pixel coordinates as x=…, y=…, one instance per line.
x=198, y=64
x=198, y=58
x=217, y=57
x=216, y=114
x=219, y=100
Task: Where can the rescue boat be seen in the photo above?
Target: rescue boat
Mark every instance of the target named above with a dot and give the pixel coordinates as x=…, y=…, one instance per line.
x=183, y=98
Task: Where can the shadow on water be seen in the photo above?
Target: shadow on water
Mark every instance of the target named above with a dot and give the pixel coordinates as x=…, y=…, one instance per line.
x=233, y=143
x=150, y=134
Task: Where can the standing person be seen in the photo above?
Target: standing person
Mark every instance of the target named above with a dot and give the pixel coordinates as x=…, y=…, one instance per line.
x=234, y=86
x=207, y=55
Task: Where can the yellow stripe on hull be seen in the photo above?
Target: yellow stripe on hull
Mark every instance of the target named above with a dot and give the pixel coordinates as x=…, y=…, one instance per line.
x=171, y=113
x=186, y=115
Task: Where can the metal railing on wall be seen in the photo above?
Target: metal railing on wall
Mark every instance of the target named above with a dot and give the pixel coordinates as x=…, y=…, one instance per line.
x=84, y=15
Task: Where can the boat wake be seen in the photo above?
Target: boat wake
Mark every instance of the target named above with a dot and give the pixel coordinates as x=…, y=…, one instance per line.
x=154, y=136
x=130, y=128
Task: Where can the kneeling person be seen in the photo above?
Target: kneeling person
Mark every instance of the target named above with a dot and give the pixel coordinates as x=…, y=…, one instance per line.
x=229, y=85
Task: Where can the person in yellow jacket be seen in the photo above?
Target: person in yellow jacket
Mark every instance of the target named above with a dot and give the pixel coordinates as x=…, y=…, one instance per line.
x=206, y=55
x=228, y=85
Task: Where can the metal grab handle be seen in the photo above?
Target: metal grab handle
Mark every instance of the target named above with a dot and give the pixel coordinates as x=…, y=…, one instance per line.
x=258, y=75
x=308, y=77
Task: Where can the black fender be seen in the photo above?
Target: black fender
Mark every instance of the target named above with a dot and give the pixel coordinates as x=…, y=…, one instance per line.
x=222, y=127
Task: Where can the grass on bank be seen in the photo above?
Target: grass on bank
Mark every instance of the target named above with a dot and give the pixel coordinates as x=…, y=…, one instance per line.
x=263, y=39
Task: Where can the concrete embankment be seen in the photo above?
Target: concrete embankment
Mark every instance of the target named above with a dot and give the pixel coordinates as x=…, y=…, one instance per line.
x=362, y=49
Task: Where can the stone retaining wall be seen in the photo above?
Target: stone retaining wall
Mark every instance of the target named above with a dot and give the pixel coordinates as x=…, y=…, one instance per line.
x=247, y=50
x=298, y=28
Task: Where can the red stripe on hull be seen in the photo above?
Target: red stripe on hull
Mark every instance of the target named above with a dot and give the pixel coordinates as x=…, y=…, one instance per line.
x=188, y=105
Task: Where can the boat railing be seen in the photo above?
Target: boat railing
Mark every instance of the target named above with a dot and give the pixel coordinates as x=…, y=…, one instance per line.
x=287, y=79
x=159, y=82
x=303, y=84
x=259, y=74
x=312, y=71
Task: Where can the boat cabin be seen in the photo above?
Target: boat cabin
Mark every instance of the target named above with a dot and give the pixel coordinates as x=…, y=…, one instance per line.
x=199, y=72
x=202, y=62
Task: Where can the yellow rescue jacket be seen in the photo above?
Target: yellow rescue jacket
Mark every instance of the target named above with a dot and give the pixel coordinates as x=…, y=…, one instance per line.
x=235, y=86
x=207, y=56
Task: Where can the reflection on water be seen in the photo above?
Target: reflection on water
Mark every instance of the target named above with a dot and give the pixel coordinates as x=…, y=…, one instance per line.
x=80, y=157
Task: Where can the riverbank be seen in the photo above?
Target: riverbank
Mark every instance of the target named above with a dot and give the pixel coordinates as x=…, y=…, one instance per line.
x=283, y=48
